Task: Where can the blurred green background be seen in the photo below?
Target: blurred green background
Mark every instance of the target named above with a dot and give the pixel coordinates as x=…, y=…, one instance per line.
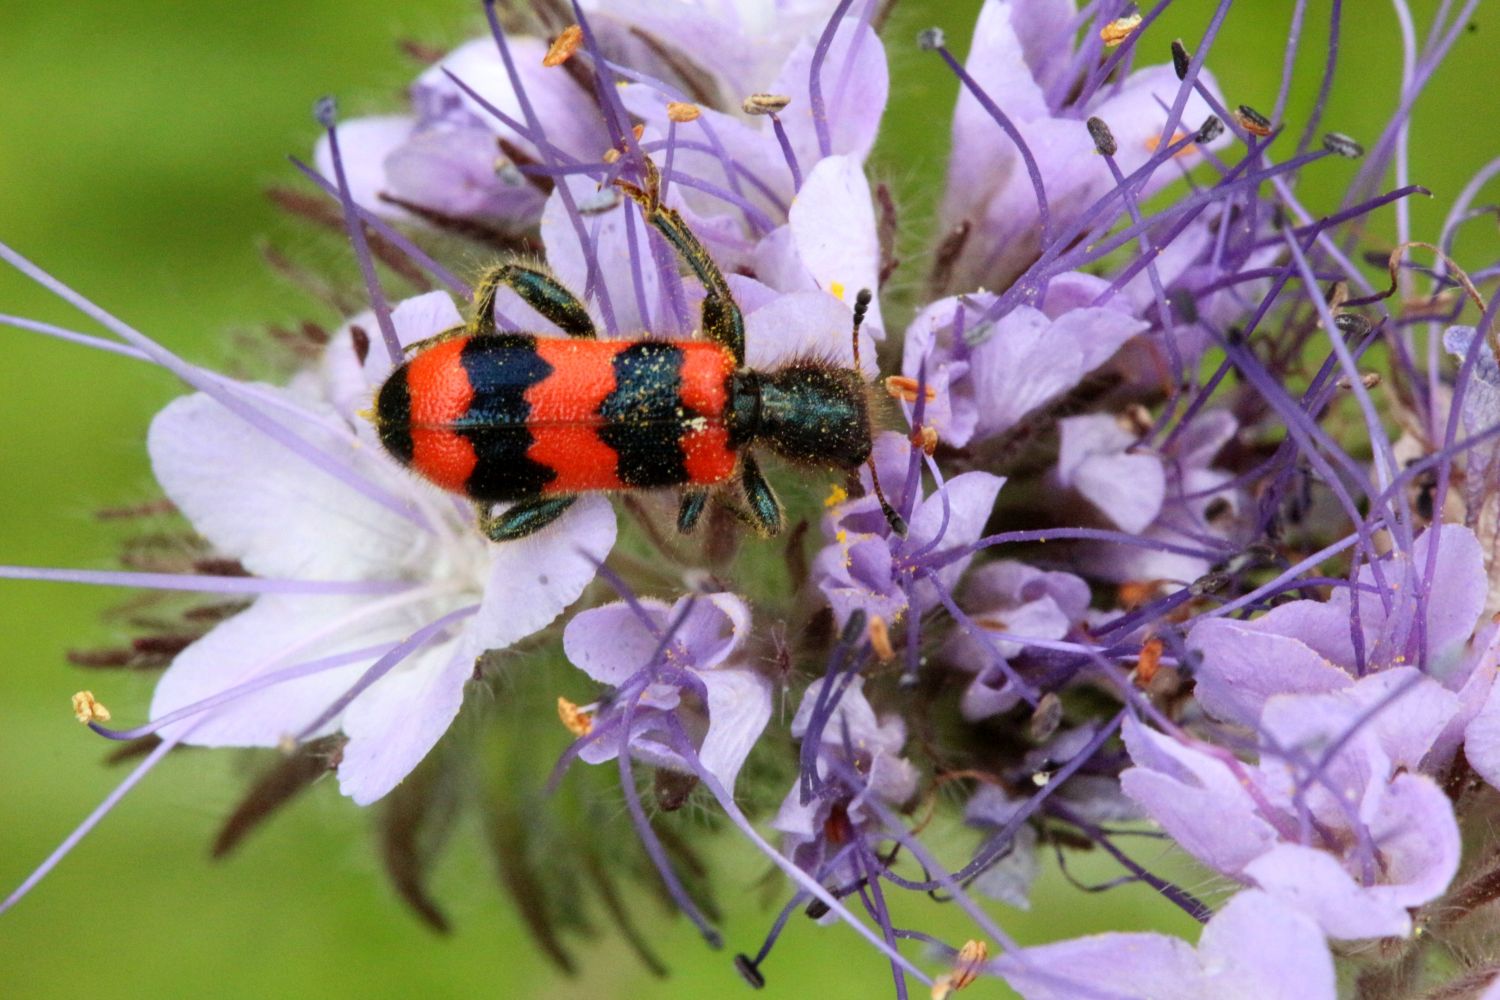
x=135, y=140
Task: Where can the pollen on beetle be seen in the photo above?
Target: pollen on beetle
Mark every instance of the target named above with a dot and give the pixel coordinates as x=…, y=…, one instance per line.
x=905, y=389
x=574, y=719
x=836, y=495
x=682, y=111
x=880, y=639
x=86, y=708
x=966, y=968
x=765, y=104
x=563, y=46
x=1118, y=30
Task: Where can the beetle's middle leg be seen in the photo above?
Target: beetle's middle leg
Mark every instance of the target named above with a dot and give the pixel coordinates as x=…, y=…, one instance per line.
x=723, y=322
x=537, y=289
x=524, y=518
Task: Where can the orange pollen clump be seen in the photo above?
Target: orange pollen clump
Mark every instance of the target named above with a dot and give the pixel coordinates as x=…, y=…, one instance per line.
x=682, y=112
x=926, y=438
x=1154, y=141
x=967, y=965
x=87, y=709
x=563, y=46
x=1149, y=661
x=574, y=719
x=1118, y=30
x=1132, y=594
x=880, y=639
x=905, y=389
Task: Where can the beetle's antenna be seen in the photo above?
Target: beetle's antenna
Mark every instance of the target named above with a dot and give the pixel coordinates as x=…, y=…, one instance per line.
x=897, y=523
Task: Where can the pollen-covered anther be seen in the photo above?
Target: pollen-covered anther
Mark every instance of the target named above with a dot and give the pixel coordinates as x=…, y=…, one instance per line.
x=1119, y=29
x=765, y=104
x=926, y=438
x=880, y=639
x=967, y=965
x=1252, y=121
x=682, y=112
x=1149, y=662
x=86, y=708
x=287, y=745
x=1133, y=593
x=1136, y=419
x=905, y=389
x=563, y=46
x=611, y=155
x=1367, y=379
x=575, y=720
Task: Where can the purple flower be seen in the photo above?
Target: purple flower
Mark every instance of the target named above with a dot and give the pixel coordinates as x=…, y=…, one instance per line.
x=857, y=759
x=447, y=157
x=1334, y=818
x=670, y=680
x=1255, y=948
x=987, y=376
x=1020, y=605
x=865, y=567
x=1174, y=496
x=1022, y=59
x=415, y=552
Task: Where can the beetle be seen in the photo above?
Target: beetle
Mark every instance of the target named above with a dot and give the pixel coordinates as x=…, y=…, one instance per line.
x=534, y=422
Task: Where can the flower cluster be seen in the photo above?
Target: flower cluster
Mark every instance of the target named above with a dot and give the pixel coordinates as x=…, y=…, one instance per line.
x=1179, y=521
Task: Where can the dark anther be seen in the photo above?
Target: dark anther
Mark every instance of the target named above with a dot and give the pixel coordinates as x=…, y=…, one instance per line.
x=361, y=341
x=326, y=111
x=1210, y=130
x=817, y=909
x=1180, y=59
x=1351, y=325
x=1046, y=718
x=749, y=971
x=1252, y=121
x=931, y=39
x=1217, y=509
x=1184, y=305
x=1104, y=139
x=1208, y=583
x=854, y=628
x=1341, y=145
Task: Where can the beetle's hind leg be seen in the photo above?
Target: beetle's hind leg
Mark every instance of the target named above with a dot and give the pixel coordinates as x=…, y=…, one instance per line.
x=722, y=320
x=691, y=508
x=765, y=509
x=537, y=289
x=524, y=518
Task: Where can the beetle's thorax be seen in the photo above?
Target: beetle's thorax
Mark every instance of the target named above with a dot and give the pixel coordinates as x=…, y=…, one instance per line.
x=809, y=412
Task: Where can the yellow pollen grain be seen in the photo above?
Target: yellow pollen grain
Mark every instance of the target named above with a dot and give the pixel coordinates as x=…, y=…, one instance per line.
x=837, y=288
x=682, y=112
x=563, y=46
x=87, y=709
x=836, y=495
x=574, y=719
x=1118, y=30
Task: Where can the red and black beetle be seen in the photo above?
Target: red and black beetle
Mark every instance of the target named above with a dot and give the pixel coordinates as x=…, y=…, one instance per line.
x=535, y=421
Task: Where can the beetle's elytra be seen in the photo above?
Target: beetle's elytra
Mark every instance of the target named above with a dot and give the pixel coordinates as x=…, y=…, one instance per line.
x=535, y=421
